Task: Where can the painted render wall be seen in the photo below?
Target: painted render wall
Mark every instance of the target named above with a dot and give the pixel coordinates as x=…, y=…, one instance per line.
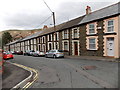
x=119, y=34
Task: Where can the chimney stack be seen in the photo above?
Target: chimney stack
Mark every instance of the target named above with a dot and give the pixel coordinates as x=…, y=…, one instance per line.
x=45, y=27
x=88, y=10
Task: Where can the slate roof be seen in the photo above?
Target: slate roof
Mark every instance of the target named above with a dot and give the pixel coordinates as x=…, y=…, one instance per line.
x=32, y=36
x=102, y=13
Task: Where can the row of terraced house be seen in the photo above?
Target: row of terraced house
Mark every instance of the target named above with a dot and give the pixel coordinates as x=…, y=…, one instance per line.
x=93, y=34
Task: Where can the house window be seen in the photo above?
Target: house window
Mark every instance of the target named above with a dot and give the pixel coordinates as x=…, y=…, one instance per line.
x=65, y=34
x=91, y=28
x=38, y=41
x=92, y=43
x=34, y=41
x=57, y=35
x=43, y=39
x=50, y=37
x=110, y=27
x=75, y=33
x=31, y=41
x=65, y=45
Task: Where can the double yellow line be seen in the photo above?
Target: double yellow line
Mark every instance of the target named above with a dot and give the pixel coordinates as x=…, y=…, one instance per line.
x=34, y=78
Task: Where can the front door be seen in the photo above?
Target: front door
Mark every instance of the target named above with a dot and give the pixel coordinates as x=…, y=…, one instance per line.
x=50, y=46
x=75, y=48
x=110, y=46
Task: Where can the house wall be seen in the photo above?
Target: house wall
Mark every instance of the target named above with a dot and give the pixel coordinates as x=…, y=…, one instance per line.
x=119, y=34
x=115, y=36
x=84, y=39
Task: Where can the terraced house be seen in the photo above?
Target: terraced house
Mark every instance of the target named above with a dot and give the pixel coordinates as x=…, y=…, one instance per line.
x=93, y=34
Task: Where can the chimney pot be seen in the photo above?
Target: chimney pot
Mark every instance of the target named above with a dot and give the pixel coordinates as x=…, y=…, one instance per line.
x=45, y=27
x=88, y=10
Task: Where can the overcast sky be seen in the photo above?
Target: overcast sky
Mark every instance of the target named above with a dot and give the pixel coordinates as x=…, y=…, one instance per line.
x=31, y=14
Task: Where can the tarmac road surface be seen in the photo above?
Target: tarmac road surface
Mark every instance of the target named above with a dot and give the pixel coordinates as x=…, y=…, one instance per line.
x=70, y=73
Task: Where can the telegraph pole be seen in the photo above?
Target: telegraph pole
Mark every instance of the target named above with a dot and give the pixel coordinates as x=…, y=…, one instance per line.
x=55, y=30
x=53, y=14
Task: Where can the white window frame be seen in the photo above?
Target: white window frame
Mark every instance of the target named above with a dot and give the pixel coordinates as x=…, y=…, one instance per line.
x=92, y=44
x=88, y=28
x=73, y=34
x=92, y=29
x=34, y=40
x=110, y=26
x=63, y=44
x=96, y=42
x=63, y=34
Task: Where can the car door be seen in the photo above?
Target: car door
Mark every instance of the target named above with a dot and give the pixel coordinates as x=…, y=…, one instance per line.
x=51, y=53
x=48, y=54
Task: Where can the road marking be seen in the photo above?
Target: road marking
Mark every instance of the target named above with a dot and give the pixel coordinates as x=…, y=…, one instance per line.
x=34, y=78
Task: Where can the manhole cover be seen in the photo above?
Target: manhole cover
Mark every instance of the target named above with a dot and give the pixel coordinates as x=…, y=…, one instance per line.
x=89, y=67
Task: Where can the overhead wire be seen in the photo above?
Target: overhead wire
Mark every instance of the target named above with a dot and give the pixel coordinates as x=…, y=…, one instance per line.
x=44, y=21
x=48, y=17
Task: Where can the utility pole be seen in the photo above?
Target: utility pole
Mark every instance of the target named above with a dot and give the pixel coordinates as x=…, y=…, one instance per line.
x=55, y=30
x=53, y=13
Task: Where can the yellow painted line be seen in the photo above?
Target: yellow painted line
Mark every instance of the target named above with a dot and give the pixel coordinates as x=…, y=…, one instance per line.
x=34, y=78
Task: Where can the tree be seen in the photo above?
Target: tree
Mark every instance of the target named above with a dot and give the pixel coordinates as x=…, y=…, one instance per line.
x=6, y=38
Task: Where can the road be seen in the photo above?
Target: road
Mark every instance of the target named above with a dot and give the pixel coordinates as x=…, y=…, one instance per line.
x=69, y=73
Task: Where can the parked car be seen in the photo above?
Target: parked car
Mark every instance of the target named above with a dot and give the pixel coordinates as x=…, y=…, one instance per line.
x=19, y=52
x=12, y=52
x=55, y=53
x=29, y=52
x=39, y=53
x=7, y=55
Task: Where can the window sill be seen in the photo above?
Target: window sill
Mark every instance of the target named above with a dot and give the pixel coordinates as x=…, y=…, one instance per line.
x=91, y=34
x=107, y=33
x=92, y=49
x=110, y=32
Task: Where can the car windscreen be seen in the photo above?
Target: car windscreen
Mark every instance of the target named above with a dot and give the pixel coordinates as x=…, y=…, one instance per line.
x=7, y=53
x=60, y=50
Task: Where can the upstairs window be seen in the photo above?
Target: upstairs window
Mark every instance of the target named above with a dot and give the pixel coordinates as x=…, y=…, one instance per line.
x=75, y=33
x=65, y=34
x=50, y=37
x=110, y=25
x=91, y=28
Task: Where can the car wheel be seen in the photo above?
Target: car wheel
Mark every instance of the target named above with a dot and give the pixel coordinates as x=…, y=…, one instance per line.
x=54, y=56
x=46, y=56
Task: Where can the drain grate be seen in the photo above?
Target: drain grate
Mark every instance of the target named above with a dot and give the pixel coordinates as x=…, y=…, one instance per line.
x=89, y=67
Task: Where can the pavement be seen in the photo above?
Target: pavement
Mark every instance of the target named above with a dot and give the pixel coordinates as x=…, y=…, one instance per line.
x=13, y=75
x=109, y=59
x=70, y=72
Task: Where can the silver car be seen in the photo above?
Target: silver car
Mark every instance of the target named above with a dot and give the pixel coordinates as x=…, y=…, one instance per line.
x=39, y=53
x=55, y=53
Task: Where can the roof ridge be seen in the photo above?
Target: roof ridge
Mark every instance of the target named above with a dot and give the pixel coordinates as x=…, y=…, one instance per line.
x=105, y=7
